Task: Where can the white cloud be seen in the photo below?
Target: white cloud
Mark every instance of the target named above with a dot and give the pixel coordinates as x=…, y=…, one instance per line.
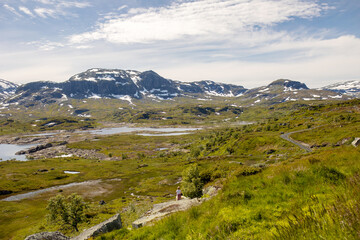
x=11, y=9
x=45, y=12
x=47, y=8
x=231, y=41
x=206, y=18
x=67, y=4
x=26, y=11
x=45, y=1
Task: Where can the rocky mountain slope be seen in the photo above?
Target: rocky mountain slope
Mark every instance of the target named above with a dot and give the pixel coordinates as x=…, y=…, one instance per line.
x=130, y=84
x=351, y=88
x=7, y=88
x=283, y=90
x=120, y=84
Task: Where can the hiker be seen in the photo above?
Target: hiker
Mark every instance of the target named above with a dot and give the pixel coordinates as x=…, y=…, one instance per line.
x=178, y=194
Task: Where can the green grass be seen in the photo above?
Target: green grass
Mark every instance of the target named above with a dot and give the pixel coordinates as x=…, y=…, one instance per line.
x=258, y=200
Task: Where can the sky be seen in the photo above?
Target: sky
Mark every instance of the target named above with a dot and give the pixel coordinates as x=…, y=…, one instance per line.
x=244, y=42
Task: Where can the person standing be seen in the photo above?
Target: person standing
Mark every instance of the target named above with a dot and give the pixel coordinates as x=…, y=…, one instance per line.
x=178, y=194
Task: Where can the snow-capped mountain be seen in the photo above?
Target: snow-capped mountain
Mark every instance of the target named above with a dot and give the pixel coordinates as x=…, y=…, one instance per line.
x=351, y=88
x=284, y=90
x=7, y=88
x=122, y=84
x=130, y=84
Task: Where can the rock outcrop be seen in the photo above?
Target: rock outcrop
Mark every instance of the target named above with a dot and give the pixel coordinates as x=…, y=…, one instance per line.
x=47, y=236
x=109, y=225
x=356, y=142
x=162, y=209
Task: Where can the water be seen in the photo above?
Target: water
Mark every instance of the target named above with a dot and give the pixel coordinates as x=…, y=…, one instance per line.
x=71, y=172
x=162, y=134
x=117, y=130
x=41, y=134
x=90, y=184
x=108, y=131
x=37, y=192
x=7, y=151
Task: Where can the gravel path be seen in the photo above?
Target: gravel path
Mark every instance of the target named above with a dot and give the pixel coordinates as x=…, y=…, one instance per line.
x=302, y=145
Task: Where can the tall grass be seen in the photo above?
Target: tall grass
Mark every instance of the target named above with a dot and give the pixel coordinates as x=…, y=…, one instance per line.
x=339, y=220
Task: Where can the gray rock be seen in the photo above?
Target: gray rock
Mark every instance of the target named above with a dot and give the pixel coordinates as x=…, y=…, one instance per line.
x=109, y=225
x=356, y=142
x=47, y=236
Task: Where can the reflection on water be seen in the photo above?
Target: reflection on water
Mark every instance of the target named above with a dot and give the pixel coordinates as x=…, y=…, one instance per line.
x=7, y=151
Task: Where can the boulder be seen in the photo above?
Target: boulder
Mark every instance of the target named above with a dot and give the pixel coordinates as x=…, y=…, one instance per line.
x=47, y=236
x=356, y=142
x=109, y=225
x=5, y=192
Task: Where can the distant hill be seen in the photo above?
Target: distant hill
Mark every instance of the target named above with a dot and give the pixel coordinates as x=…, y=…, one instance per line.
x=119, y=84
x=351, y=88
x=132, y=84
x=284, y=90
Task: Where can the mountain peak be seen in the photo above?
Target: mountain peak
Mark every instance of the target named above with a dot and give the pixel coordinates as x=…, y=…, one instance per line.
x=7, y=88
x=289, y=84
x=4, y=84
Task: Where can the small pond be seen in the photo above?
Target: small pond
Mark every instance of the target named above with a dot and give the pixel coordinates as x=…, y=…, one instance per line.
x=7, y=151
x=71, y=172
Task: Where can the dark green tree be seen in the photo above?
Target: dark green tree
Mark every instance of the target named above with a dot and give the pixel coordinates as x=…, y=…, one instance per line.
x=67, y=211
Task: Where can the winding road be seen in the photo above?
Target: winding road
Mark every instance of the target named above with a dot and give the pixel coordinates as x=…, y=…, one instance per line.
x=286, y=136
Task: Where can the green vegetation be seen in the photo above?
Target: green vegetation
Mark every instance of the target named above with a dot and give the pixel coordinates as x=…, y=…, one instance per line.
x=67, y=211
x=270, y=188
x=191, y=182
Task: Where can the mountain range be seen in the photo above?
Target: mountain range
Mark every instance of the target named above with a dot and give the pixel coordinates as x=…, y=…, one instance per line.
x=131, y=84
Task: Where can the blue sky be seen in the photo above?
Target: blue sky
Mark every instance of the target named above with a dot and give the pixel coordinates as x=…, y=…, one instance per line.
x=245, y=42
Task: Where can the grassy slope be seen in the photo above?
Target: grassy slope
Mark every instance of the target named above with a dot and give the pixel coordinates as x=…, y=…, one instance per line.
x=291, y=199
x=248, y=207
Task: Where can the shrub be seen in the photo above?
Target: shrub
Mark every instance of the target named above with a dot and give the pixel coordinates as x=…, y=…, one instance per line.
x=67, y=211
x=330, y=174
x=192, y=184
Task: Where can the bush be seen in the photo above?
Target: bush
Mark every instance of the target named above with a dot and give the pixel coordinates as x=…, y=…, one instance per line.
x=192, y=184
x=67, y=211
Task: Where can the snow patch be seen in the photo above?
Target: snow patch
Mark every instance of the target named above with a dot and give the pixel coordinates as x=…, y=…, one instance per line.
x=106, y=78
x=94, y=96
x=214, y=93
x=124, y=98
x=337, y=96
x=264, y=90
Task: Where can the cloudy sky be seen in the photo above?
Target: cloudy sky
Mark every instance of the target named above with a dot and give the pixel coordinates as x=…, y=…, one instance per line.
x=245, y=42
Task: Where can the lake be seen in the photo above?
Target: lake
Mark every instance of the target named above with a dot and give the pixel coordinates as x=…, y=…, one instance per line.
x=116, y=130
x=7, y=151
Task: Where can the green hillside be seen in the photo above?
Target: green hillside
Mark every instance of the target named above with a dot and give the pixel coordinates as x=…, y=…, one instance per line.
x=270, y=188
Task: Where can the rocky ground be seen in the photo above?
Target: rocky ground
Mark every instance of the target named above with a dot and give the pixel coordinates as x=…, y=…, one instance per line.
x=163, y=209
